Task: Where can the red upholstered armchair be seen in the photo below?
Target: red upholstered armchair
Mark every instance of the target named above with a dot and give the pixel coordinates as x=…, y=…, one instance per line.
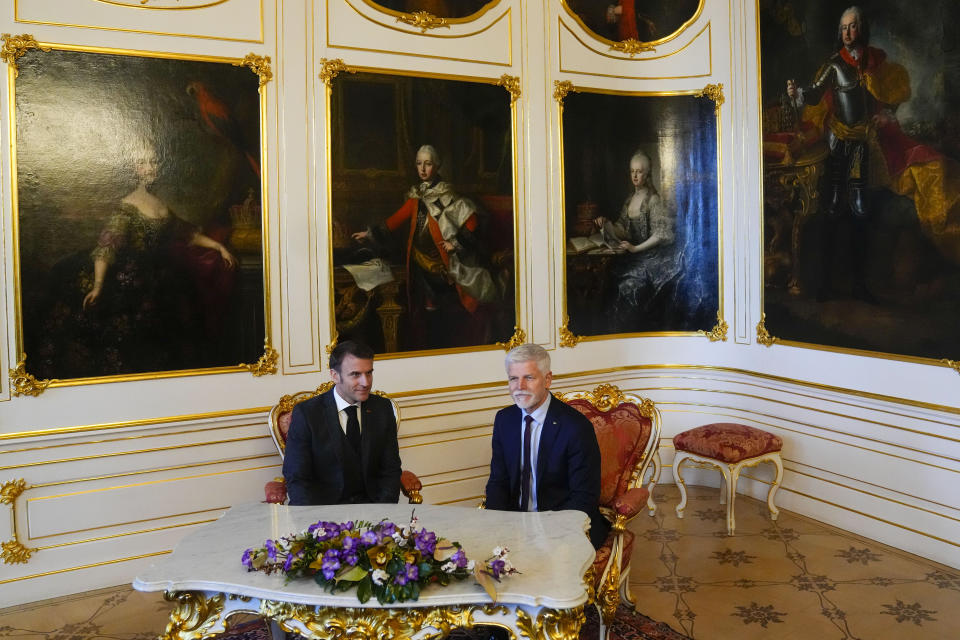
x=279, y=420
x=628, y=432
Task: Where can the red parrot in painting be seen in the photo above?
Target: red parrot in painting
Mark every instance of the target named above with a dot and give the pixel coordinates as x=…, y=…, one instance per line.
x=217, y=120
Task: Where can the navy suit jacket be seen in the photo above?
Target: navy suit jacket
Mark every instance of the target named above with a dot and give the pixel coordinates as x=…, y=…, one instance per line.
x=313, y=463
x=568, y=465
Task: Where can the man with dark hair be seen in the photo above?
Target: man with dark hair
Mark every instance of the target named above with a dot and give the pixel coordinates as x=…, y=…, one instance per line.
x=342, y=445
x=545, y=452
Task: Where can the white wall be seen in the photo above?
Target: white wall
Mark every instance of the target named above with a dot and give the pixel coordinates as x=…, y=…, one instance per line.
x=116, y=473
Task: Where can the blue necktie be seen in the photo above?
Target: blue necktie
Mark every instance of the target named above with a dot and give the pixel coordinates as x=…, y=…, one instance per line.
x=525, y=465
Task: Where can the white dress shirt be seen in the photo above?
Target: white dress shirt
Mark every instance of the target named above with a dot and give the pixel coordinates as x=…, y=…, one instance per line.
x=342, y=415
x=539, y=415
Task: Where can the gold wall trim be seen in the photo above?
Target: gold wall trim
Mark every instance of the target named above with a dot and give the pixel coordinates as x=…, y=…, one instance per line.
x=176, y=467
x=872, y=517
x=477, y=498
x=124, y=534
x=213, y=415
x=145, y=4
x=404, y=17
x=17, y=18
x=127, y=523
x=491, y=4
x=86, y=566
x=423, y=434
x=453, y=480
x=667, y=38
x=442, y=473
x=708, y=28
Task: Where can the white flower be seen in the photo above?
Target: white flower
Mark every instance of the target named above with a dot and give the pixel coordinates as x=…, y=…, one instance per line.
x=470, y=566
x=498, y=551
x=380, y=576
x=448, y=567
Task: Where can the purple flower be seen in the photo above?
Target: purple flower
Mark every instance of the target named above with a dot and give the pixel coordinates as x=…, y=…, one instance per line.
x=496, y=568
x=409, y=573
x=459, y=559
x=330, y=564
x=350, y=544
x=291, y=558
x=387, y=529
x=350, y=558
x=271, y=550
x=347, y=526
x=426, y=542
x=247, y=559
x=324, y=530
x=369, y=538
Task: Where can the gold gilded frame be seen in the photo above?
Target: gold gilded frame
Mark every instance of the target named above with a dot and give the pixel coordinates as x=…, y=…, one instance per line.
x=330, y=69
x=715, y=93
x=632, y=47
x=425, y=20
x=763, y=335
x=22, y=382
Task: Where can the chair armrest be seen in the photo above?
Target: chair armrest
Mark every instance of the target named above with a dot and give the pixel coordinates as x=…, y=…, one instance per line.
x=630, y=503
x=410, y=485
x=275, y=491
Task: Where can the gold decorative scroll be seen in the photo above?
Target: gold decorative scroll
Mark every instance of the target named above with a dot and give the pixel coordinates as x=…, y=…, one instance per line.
x=567, y=338
x=25, y=384
x=330, y=69
x=953, y=364
x=511, y=84
x=714, y=92
x=518, y=338
x=551, y=624
x=13, y=551
x=632, y=47
x=260, y=65
x=193, y=615
x=719, y=331
x=423, y=20
x=763, y=336
x=561, y=88
x=267, y=364
x=15, y=46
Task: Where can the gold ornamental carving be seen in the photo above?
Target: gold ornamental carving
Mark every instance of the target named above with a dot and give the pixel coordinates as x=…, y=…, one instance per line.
x=13, y=552
x=423, y=20
x=763, y=336
x=567, y=337
x=953, y=364
x=15, y=46
x=518, y=338
x=25, y=384
x=511, y=84
x=714, y=92
x=267, y=364
x=561, y=88
x=609, y=596
x=632, y=47
x=193, y=615
x=330, y=69
x=605, y=397
x=719, y=331
x=552, y=624
x=11, y=490
x=260, y=65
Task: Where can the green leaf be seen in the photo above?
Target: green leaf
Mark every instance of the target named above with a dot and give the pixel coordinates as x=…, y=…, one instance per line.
x=364, y=590
x=414, y=590
x=350, y=574
x=425, y=569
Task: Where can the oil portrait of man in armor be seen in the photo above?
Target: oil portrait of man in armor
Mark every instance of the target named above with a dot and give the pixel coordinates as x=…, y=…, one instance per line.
x=861, y=157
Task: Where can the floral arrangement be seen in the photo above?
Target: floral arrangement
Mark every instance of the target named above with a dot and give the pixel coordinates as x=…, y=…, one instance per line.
x=381, y=560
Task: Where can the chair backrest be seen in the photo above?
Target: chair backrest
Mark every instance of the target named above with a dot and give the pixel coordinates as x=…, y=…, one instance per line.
x=281, y=412
x=628, y=432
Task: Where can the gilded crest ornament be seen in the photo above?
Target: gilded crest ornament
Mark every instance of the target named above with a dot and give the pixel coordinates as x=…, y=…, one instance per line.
x=193, y=614
x=953, y=364
x=763, y=336
x=518, y=338
x=11, y=490
x=267, y=364
x=719, y=331
x=511, y=84
x=15, y=46
x=561, y=88
x=260, y=65
x=714, y=92
x=330, y=69
x=423, y=20
x=632, y=47
x=12, y=552
x=567, y=337
x=25, y=384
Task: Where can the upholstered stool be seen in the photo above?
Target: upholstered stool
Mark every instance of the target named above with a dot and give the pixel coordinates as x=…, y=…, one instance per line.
x=730, y=447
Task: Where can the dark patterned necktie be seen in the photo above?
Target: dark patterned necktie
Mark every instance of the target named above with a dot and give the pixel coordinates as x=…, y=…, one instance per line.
x=353, y=427
x=525, y=465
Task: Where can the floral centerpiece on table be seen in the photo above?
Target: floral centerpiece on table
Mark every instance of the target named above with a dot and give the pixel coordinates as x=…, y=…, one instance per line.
x=381, y=560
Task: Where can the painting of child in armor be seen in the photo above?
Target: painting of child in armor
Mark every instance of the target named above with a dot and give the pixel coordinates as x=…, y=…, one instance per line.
x=138, y=203
x=640, y=180
x=861, y=168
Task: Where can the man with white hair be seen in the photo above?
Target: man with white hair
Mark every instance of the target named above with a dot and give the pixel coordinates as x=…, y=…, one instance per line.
x=545, y=452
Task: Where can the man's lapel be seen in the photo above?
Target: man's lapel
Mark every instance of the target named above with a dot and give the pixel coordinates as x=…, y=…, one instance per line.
x=331, y=422
x=370, y=430
x=548, y=436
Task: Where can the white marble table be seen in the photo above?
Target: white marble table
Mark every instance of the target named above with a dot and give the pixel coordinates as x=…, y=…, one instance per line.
x=204, y=576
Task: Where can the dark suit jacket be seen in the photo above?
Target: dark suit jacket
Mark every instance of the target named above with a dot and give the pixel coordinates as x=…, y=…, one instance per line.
x=568, y=465
x=313, y=465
